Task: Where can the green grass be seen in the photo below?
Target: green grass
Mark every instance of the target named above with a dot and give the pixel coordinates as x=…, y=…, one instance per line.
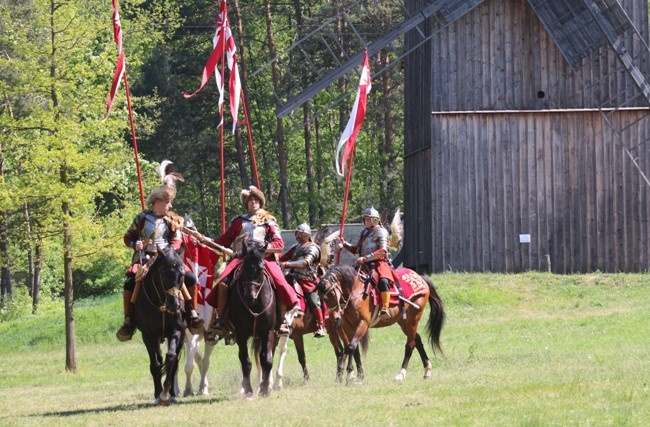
x=531, y=349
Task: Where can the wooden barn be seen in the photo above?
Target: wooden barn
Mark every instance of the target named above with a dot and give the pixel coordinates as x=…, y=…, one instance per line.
x=527, y=136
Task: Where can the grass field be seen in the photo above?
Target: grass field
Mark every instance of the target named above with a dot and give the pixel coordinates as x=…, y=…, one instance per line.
x=531, y=349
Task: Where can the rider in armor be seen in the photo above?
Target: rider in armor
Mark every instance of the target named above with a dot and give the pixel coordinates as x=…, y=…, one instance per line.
x=372, y=252
x=302, y=261
x=257, y=224
x=156, y=227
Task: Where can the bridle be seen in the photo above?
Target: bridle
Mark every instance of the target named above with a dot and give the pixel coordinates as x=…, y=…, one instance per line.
x=335, y=288
x=158, y=286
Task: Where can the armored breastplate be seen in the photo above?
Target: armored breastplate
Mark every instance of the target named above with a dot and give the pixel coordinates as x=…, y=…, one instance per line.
x=376, y=238
x=253, y=231
x=155, y=232
x=310, y=252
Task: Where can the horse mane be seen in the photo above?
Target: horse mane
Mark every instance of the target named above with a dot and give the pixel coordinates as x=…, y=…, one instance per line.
x=252, y=253
x=347, y=275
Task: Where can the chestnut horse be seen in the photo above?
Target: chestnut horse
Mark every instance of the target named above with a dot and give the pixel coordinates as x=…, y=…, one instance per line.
x=159, y=317
x=350, y=303
x=306, y=325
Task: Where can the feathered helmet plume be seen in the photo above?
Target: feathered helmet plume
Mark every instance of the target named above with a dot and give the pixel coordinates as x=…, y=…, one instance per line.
x=168, y=179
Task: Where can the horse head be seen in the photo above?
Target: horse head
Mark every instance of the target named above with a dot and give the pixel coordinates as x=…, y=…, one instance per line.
x=169, y=272
x=331, y=289
x=252, y=254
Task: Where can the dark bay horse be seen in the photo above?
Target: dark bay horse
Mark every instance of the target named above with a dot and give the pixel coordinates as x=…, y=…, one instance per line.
x=253, y=308
x=158, y=315
x=354, y=311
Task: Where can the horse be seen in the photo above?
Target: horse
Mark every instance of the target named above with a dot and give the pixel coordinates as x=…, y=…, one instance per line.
x=354, y=310
x=202, y=360
x=305, y=325
x=253, y=309
x=158, y=314
x=193, y=342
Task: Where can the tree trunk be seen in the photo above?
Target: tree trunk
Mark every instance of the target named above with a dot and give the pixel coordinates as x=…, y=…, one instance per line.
x=38, y=267
x=70, y=349
x=309, y=157
x=30, y=250
x=5, y=271
x=388, y=162
x=243, y=75
x=279, y=133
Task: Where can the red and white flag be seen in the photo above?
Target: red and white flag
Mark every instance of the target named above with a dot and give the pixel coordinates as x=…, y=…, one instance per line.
x=223, y=41
x=119, y=69
x=357, y=117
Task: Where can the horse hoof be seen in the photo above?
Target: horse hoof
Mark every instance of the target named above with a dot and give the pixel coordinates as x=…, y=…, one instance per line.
x=401, y=376
x=188, y=393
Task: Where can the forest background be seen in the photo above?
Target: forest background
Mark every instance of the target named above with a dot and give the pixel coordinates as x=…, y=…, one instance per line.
x=68, y=181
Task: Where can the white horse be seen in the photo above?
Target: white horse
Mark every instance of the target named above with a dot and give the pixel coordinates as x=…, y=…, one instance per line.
x=193, y=347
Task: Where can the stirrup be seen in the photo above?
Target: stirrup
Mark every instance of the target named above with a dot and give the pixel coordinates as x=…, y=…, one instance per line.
x=196, y=326
x=125, y=333
x=320, y=332
x=284, y=330
x=384, y=314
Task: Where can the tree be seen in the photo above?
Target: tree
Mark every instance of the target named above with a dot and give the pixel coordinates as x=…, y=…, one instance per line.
x=61, y=161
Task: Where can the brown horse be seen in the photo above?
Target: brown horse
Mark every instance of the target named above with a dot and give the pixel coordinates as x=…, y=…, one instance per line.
x=307, y=325
x=350, y=303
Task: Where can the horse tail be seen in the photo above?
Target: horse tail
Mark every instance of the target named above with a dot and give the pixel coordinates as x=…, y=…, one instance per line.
x=365, y=343
x=436, y=316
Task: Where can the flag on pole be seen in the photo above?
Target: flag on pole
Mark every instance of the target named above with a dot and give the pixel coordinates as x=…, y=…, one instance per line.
x=223, y=41
x=119, y=69
x=357, y=116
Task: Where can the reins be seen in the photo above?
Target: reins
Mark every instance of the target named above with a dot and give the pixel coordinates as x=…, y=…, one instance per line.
x=260, y=287
x=160, y=292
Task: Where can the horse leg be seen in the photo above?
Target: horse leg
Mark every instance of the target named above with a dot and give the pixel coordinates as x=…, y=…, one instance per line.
x=266, y=359
x=203, y=369
x=279, y=371
x=357, y=360
x=155, y=366
x=174, y=345
x=246, y=365
x=299, y=342
x=419, y=345
x=411, y=338
x=192, y=342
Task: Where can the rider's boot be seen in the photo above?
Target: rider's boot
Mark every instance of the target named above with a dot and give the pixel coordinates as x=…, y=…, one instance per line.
x=194, y=324
x=318, y=317
x=221, y=322
x=384, y=312
x=127, y=329
x=287, y=317
x=208, y=334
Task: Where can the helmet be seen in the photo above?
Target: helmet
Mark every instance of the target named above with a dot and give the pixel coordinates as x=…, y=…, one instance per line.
x=304, y=229
x=373, y=214
x=187, y=222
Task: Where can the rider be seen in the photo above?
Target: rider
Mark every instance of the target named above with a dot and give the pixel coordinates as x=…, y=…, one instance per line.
x=302, y=260
x=257, y=224
x=157, y=227
x=372, y=251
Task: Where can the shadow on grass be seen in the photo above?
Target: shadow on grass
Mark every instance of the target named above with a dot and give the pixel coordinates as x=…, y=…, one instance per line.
x=122, y=408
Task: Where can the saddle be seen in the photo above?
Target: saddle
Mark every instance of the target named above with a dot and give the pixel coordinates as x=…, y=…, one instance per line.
x=407, y=283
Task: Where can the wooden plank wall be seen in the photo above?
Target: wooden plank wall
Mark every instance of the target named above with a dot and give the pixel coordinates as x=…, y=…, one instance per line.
x=499, y=56
x=418, y=226
x=558, y=176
